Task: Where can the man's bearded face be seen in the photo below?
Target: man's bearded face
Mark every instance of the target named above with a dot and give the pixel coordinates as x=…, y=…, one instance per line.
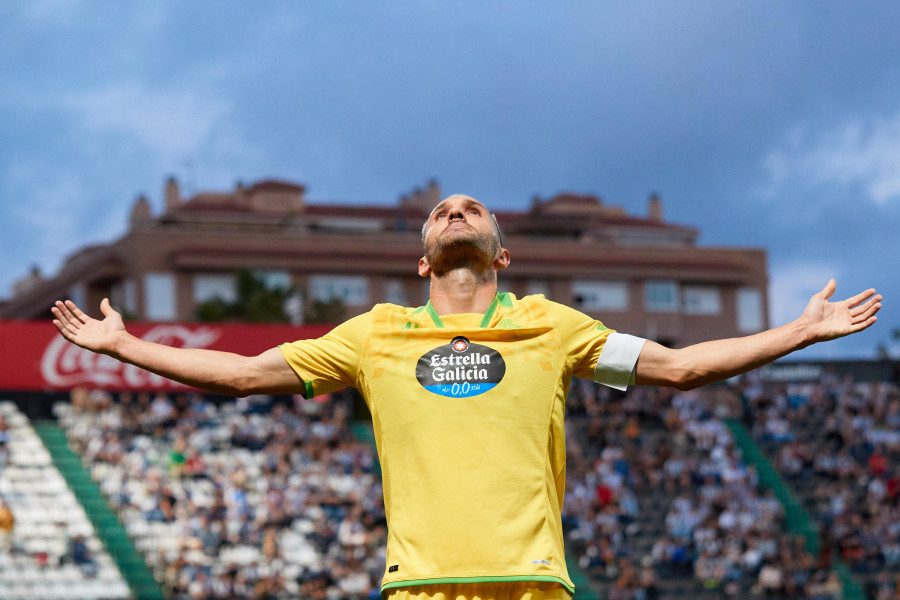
x=461, y=247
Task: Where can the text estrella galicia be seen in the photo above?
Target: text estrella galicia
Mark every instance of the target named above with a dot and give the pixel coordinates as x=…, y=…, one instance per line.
x=460, y=369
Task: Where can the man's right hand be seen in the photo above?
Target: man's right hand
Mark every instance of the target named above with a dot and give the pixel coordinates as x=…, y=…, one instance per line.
x=87, y=332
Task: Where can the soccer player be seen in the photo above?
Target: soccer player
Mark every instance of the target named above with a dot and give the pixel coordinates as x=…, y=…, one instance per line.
x=467, y=396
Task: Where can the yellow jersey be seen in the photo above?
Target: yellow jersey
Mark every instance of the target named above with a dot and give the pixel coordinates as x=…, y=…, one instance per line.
x=468, y=413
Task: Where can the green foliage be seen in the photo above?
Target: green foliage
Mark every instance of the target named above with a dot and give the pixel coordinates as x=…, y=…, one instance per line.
x=332, y=311
x=255, y=303
x=258, y=303
x=128, y=316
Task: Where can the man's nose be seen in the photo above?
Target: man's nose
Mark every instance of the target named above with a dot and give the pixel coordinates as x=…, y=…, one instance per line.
x=455, y=214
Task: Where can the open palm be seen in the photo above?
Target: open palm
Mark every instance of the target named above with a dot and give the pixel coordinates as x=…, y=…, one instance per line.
x=87, y=332
x=829, y=320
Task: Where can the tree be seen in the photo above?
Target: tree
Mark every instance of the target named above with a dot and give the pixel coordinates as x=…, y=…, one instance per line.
x=331, y=311
x=255, y=302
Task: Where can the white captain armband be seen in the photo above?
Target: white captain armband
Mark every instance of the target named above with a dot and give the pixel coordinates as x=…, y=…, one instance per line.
x=616, y=365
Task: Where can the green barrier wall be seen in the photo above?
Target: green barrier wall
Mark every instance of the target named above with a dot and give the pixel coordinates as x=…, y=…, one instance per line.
x=798, y=520
x=110, y=531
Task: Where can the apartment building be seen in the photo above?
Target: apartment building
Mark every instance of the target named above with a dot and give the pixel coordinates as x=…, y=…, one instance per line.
x=637, y=273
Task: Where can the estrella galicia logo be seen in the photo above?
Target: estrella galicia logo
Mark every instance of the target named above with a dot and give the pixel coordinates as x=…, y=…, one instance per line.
x=460, y=369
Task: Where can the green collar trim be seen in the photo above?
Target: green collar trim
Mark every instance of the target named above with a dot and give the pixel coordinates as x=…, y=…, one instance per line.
x=490, y=311
x=501, y=299
x=434, y=316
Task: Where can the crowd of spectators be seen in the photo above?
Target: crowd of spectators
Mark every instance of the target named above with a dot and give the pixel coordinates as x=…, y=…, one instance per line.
x=611, y=461
x=673, y=452
x=265, y=497
x=48, y=548
x=253, y=498
x=837, y=442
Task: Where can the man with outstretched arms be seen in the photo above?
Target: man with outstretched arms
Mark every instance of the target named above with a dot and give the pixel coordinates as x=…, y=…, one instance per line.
x=467, y=396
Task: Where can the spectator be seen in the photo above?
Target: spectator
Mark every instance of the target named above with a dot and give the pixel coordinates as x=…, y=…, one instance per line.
x=7, y=527
x=262, y=485
x=81, y=556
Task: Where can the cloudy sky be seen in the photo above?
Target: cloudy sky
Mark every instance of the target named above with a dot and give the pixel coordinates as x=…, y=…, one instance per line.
x=764, y=124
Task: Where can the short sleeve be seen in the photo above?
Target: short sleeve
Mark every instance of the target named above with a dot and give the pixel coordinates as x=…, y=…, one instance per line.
x=330, y=362
x=595, y=351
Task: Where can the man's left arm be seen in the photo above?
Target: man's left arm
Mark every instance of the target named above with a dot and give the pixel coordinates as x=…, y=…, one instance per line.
x=708, y=362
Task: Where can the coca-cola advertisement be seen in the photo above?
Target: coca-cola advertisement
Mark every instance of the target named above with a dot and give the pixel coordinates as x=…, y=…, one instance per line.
x=34, y=357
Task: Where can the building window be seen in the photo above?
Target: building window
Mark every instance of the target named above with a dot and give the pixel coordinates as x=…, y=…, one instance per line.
x=159, y=297
x=394, y=292
x=78, y=295
x=210, y=286
x=350, y=290
x=749, y=310
x=123, y=295
x=600, y=295
x=661, y=296
x=129, y=290
x=702, y=300
x=274, y=280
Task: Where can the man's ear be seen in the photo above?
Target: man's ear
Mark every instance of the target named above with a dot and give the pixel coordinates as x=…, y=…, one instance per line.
x=502, y=260
x=424, y=267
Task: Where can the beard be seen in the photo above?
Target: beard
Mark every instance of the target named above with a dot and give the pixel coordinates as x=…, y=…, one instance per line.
x=473, y=251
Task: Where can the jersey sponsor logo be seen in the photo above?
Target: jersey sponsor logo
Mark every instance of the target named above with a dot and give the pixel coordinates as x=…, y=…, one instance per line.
x=460, y=369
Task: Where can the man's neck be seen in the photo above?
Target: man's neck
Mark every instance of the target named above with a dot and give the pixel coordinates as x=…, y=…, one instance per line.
x=463, y=291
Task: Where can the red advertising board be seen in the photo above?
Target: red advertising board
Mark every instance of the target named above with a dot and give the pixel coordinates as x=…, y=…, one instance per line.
x=34, y=357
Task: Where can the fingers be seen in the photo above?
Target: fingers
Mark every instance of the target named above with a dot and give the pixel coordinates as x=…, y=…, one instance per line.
x=60, y=327
x=70, y=313
x=861, y=297
x=68, y=319
x=64, y=314
x=828, y=290
x=64, y=322
x=864, y=311
x=77, y=311
x=107, y=309
x=67, y=330
x=864, y=324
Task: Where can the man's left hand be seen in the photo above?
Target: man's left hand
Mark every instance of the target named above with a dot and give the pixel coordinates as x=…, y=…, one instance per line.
x=829, y=320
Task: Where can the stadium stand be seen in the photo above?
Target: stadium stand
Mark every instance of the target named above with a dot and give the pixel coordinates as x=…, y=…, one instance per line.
x=745, y=490
x=48, y=549
x=837, y=443
x=251, y=498
x=661, y=503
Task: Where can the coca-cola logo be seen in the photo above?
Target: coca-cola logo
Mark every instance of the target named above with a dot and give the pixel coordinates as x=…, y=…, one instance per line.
x=66, y=365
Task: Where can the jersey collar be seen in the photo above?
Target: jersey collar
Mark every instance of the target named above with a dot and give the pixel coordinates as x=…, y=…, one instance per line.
x=501, y=299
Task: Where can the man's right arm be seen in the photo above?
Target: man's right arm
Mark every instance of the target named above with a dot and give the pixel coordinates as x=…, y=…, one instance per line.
x=220, y=372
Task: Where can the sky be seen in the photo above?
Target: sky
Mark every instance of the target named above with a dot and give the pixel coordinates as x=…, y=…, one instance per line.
x=764, y=124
